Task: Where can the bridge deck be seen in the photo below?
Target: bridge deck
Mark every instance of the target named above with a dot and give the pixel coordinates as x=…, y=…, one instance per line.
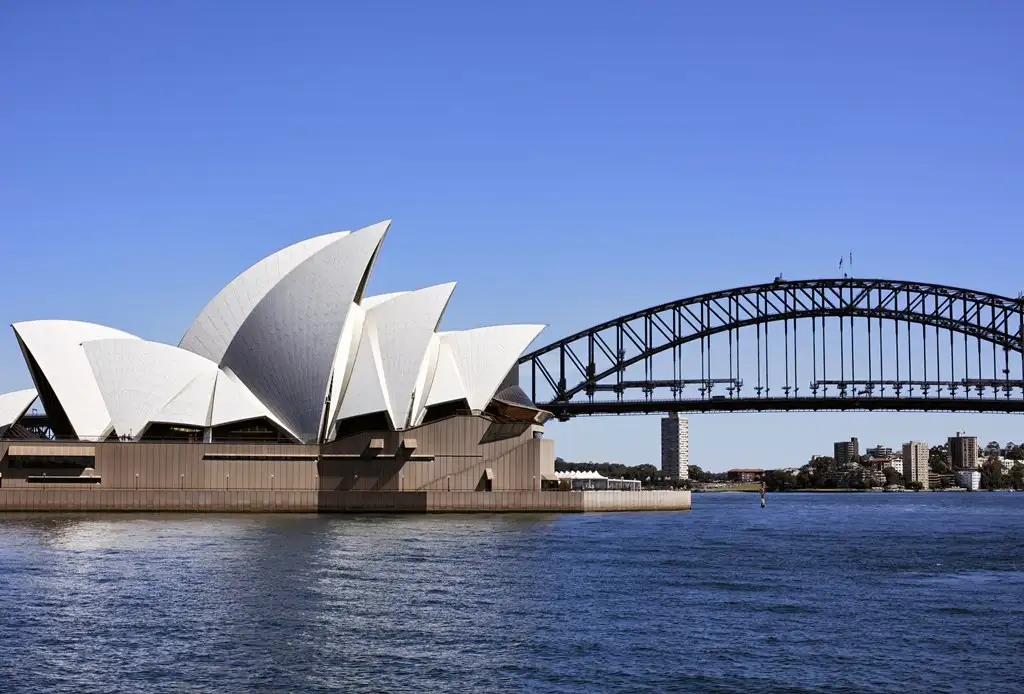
x=793, y=404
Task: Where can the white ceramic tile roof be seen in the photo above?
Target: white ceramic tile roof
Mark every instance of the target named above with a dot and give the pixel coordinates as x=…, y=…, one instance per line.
x=446, y=383
x=217, y=324
x=405, y=328
x=344, y=362
x=192, y=405
x=369, y=302
x=141, y=380
x=285, y=349
x=14, y=404
x=284, y=336
x=365, y=392
x=147, y=382
x=484, y=356
x=56, y=346
x=233, y=402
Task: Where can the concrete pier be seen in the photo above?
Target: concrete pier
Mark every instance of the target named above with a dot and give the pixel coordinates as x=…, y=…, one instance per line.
x=94, y=498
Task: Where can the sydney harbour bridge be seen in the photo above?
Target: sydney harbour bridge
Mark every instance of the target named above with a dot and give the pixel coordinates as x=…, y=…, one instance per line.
x=827, y=344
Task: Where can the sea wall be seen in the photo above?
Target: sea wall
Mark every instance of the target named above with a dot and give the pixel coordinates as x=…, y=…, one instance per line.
x=313, y=501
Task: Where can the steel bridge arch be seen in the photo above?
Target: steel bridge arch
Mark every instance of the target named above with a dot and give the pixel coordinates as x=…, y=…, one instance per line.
x=991, y=318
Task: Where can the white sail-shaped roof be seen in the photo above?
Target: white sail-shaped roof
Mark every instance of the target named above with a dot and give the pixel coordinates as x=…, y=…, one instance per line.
x=446, y=384
x=192, y=404
x=233, y=402
x=13, y=405
x=144, y=382
x=344, y=361
x=365, y=392
x=285, y=349
x=484, y=356
x=218, y=323
x=369, y=302
x=291, y=339
x=148, y=382
x=55, y=347
x=397, y=335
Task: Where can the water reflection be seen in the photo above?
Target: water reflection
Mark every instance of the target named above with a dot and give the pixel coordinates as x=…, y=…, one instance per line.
x=726, y=598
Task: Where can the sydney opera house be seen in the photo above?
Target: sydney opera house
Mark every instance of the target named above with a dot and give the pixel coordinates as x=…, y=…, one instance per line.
x=292, y=390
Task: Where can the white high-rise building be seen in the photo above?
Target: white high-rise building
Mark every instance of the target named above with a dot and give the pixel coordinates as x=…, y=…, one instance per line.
x=915, y=462
x=969, y=479
x=675, y=446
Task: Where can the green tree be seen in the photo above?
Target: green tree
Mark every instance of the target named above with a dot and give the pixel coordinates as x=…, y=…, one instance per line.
x=1017, y=476
x=938, y=460
x=804, y=478
x=892, y=477
x=823, y=473
x=646, y=470
x=779, y=481
x=916, y=486
x=992, y=474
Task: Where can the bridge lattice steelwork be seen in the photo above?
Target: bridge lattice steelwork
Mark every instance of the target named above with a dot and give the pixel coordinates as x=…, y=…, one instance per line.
x=829, y=344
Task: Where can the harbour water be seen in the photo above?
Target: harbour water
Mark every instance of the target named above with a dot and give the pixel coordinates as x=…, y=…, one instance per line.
x=815, y=593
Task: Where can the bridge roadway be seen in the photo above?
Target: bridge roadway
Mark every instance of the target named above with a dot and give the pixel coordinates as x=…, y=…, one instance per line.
x=565, y=410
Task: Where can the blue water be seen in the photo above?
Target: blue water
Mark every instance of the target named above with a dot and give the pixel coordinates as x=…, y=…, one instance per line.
x=816, y=593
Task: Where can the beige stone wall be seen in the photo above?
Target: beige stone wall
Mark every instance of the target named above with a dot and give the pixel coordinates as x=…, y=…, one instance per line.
x=93, y=498
x=644, y=500
x=449, y=456
x=445, y=472
x=177, y=466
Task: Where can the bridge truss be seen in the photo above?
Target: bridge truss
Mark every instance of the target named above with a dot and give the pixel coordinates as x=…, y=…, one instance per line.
x=829, y=344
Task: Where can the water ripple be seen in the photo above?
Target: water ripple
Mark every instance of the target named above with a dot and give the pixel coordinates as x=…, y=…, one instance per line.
x=817, y=593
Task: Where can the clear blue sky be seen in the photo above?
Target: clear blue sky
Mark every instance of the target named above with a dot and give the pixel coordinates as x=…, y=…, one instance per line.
x=590, y=158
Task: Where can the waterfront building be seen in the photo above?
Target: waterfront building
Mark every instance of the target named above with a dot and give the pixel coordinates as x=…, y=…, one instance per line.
x=745, y=475
x=846, y=451
x=880, y=452
x=675, y=446
x=915, y=462
x=896, y=465
x=589, y=480
x=292, y=346
x=968, y=479
x=963, y=452
x=293, y=389
x=879, y=464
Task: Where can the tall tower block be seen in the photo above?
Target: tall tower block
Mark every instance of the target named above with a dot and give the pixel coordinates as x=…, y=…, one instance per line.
x=675, y=446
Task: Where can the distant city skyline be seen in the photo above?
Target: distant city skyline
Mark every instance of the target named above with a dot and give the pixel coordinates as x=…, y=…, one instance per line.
x=568, y=164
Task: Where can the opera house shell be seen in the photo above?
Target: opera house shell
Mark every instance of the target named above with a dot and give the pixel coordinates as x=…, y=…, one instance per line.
x=291, y=346
x=291, y=391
